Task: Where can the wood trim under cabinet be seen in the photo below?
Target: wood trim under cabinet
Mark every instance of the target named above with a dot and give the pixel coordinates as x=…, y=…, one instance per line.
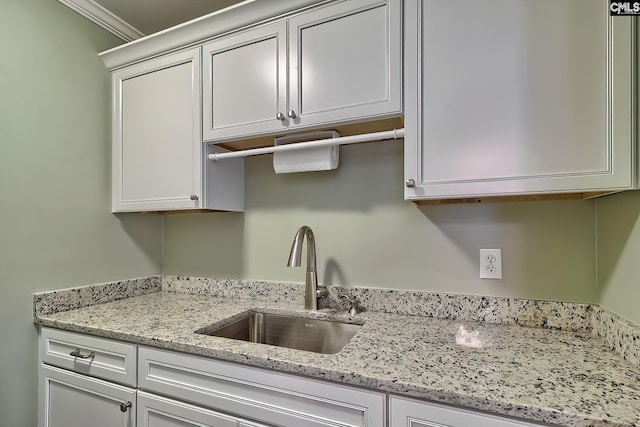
x=344, y=130
x=521, y=198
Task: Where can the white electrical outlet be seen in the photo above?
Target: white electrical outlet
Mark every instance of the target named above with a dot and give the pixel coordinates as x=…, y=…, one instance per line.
x=491, y=263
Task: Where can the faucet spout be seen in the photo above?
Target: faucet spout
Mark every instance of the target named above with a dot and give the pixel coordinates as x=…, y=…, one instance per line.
x=312, y=291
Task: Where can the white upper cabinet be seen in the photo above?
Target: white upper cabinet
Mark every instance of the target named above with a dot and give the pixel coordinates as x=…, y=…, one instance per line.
x=515, y=97
x=156, y=130
x=337, y=64
x=345, y=63
x=245, y=82
x=157, y=144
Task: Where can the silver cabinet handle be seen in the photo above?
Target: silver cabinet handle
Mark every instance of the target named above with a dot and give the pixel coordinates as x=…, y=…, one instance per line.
x=410, y=183
x=194, y=197
x=280, y=116
x=292, y=114
x=125, y=406
x=76, y=353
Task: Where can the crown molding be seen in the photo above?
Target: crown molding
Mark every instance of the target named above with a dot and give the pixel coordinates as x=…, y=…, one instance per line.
x=240, y=15
x=107, y=20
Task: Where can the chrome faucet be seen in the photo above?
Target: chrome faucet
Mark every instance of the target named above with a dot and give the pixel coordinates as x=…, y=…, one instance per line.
x=311, y=290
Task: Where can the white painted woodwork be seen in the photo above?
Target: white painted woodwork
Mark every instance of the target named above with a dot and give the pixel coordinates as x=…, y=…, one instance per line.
x=245, y=82
x=507, y=97
x=158, y=155
x=104, y=18
x=336, y=64
x=244, y=396
x=156, y=137
x=404, y=412
x=156, y=411
x=223, y=182
x=114, y=360
x=265, y=396
x=207, y=27
x=345, y=63
x=68, y=399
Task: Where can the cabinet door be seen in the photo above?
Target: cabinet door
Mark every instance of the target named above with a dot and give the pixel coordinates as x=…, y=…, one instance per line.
x=157, y=148
x=245, y=85
x=155, y=411
x=345, y=63
x=517, y=97
x=413, y=413
x=68, y=399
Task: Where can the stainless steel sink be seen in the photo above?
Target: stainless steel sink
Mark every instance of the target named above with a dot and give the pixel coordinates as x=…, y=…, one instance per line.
x=319, y=336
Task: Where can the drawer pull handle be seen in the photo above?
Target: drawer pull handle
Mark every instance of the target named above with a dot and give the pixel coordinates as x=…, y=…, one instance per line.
x=125, y=406
x=76, y=353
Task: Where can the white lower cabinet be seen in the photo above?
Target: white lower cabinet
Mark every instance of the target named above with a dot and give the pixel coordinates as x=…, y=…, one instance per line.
x=258, y=394
x=69, y=399
x=405, y=412
x=156, y=411
x=77, y=381
x=174, y=389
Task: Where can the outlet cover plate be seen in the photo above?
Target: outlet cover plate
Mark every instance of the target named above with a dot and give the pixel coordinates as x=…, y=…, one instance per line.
x=491, y=263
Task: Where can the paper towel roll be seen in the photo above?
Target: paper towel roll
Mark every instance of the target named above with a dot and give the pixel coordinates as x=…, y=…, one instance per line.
x=307, y=159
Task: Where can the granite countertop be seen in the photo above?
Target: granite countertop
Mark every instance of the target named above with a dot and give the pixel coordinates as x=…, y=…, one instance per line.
x=552, y=376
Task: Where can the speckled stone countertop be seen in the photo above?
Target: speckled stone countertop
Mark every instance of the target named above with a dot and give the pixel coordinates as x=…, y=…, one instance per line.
x=551, y=376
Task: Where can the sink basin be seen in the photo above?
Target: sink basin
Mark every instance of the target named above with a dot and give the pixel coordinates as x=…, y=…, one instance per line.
x=319, y=336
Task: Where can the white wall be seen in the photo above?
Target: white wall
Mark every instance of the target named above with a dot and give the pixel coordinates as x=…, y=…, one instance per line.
x=368, y=236
x=56, y=229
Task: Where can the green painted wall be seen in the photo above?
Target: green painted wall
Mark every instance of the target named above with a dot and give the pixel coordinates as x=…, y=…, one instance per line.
x=618, y=234
x=367, y=235
x=56, y=229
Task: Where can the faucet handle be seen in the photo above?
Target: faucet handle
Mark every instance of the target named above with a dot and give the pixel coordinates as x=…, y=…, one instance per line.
x=354, y=305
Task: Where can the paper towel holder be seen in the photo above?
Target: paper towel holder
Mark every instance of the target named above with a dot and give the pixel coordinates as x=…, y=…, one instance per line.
x=315, y=159
x=306, y=137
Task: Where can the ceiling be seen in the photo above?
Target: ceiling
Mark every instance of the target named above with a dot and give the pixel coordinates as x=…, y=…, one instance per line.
x=132, y=19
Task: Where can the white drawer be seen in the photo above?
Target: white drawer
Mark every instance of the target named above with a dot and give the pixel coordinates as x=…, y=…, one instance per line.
x=99, y=357
x=405, y=412
x=265, y=396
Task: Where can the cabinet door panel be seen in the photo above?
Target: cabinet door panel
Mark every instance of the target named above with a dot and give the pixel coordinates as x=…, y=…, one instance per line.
x=245, y=83
x=155, y=411
x=72, y=400
x=345, y=62
x=157, y=144
x=517, y=97
x=413, y=413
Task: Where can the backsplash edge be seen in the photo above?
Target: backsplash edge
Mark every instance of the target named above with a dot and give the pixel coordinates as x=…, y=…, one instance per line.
x=619, y=335
x=50, y=302
x=500, y=310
